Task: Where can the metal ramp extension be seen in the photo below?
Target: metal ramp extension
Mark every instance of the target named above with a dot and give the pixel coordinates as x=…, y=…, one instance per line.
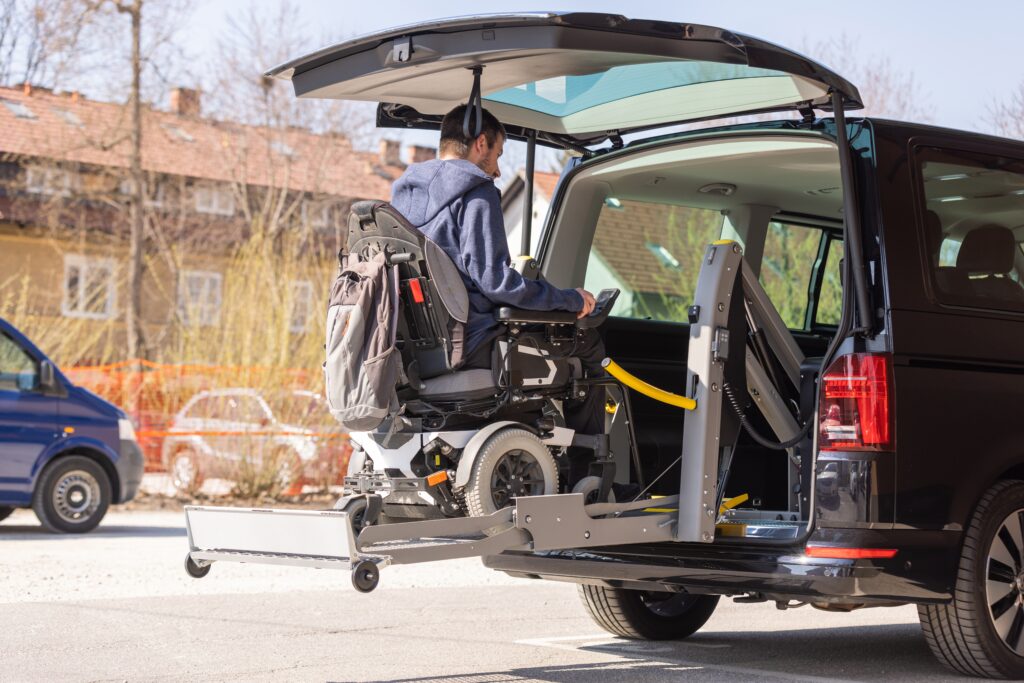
x=327, y=539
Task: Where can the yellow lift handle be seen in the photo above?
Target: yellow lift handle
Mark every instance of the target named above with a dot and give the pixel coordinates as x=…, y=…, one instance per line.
x=646, y=389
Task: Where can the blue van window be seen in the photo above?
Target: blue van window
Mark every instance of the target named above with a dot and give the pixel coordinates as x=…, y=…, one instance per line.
x=18, y=372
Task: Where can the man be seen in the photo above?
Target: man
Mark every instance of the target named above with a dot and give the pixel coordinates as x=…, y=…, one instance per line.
x=454, y=202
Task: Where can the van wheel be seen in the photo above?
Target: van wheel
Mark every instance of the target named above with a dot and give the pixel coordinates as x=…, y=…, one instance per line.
x=183, y=469
x=5, y=512
x=72, y=495
x=511, y=463
x=647, y=615
x=981, y=632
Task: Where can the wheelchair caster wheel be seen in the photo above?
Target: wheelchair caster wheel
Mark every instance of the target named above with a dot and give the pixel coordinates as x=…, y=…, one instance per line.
x=365, y=576
x=194, y=570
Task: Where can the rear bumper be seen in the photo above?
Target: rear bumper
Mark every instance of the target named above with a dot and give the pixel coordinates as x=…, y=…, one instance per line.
x=917, y=574
x=130, y=467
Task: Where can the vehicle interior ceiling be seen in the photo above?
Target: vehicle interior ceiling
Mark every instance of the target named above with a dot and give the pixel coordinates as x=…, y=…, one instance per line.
x=965, y=199
x=751, y=179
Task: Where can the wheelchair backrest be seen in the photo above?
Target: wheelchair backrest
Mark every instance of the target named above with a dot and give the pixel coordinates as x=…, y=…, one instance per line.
x=434, y=302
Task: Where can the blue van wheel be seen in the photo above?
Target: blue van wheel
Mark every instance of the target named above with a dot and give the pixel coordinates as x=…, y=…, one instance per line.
x=72, y=495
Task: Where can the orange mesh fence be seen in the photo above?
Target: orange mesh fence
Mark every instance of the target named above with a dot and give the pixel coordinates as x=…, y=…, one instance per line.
x=154, y=394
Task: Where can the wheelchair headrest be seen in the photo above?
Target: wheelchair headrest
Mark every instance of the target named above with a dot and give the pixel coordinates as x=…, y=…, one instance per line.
x=376, y=226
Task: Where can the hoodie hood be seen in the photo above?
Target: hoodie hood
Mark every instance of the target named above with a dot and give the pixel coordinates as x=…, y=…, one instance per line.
x=427, y=188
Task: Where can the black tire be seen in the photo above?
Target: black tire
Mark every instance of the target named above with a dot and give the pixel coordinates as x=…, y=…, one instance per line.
x=972, y=634
x=509, y=454
x=647, y=615
x=590, y=486
x=72, y=495
x=5, y=512
x=194, y=570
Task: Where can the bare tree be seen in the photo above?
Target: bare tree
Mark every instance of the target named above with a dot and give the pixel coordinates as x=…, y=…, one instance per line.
x=1007, y=116
x=41, y=41
x=887, y=91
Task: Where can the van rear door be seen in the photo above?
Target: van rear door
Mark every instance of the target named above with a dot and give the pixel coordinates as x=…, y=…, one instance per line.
x=572, y=77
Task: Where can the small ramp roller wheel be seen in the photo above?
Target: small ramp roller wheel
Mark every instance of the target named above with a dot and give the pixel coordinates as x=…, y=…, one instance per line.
x=194, y=570
x=365, y=576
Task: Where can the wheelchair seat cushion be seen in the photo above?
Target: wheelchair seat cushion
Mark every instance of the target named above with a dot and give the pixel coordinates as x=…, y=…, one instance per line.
x=462, y=385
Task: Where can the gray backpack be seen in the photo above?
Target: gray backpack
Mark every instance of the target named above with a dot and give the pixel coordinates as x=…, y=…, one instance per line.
x=363, y=362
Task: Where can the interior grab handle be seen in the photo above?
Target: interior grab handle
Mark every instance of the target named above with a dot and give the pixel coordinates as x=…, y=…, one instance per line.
x=637, y=384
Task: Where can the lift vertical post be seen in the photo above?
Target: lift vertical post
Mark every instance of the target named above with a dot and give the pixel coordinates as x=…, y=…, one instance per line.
x=705, y=375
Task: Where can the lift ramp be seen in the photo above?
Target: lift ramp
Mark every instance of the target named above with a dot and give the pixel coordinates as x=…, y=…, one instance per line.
x=328, y=539
x=727, y=302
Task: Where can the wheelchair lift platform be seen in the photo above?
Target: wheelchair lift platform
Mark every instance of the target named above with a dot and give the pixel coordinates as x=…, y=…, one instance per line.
x=729, y=303
x=329, y=540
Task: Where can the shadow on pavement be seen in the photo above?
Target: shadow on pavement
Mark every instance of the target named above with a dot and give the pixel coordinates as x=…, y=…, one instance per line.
x=35, y=532
x=859, y=653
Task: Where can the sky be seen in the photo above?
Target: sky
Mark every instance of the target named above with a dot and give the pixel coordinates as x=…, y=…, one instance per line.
x=963, y=55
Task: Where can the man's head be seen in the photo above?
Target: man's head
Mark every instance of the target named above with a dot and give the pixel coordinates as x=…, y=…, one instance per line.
x=483, y=150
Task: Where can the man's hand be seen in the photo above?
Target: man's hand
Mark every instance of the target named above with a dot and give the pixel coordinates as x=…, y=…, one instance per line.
x=588, y=303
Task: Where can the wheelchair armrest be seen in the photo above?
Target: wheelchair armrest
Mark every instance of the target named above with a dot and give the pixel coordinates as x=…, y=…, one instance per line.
x=506, y=314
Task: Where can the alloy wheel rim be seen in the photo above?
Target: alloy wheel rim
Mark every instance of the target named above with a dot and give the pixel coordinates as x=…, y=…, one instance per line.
x=183, y=472
x=516, y=474
x=667, y=604
x=76, y=497
x=1004, y=582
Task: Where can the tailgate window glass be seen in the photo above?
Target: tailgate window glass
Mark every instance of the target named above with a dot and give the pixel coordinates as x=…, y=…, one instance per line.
x=973, y=226
x=652, y=253
x=18, y=372
x=636, y=95
x=790, y=252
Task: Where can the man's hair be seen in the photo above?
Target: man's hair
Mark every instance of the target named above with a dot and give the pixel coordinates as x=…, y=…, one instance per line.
x=454, y=142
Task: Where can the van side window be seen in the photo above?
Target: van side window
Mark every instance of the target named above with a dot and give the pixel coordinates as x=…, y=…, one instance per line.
x=18, y=372
x=790, y=253
x=973, y=227
x=652, y=252
x=830, y=295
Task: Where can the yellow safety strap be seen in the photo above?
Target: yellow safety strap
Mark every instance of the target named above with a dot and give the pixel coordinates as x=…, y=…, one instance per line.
x=730, y=503
x=646, y=389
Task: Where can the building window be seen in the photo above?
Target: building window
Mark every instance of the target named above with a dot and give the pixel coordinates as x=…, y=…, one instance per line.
x=18, y=109
x=179, y=133
x=49, y=180
x=69, y=117
x=302, y=305
x=155, y=193
x=214, y=199
x=89, y=289
x=317, y=215
x=199, y=297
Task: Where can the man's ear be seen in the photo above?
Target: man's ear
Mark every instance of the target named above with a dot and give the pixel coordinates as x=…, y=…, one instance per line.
x=480, y=144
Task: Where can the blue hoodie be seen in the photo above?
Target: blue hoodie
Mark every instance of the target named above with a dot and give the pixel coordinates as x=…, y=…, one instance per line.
x=457, y=206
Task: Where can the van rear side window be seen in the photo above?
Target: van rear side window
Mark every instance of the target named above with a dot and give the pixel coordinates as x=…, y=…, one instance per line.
x=973, y=221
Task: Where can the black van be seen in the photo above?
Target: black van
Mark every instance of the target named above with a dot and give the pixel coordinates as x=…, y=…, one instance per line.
x=892, y=251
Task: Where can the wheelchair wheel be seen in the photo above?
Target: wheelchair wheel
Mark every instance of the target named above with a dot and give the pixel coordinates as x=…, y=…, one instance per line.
x=512, y=463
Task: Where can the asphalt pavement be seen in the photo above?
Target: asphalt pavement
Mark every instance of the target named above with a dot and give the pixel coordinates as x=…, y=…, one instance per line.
x=116, y=605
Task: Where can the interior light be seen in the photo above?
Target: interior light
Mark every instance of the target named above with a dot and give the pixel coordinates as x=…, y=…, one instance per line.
x=952, y=176
x=613, y=203
x=955, y=198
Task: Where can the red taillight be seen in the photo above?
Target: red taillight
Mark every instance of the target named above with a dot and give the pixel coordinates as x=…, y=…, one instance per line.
x=855, y=410
x=416, y=290
x=850, y=553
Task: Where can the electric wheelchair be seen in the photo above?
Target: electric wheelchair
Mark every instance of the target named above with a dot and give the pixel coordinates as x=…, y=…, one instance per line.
x=467, y=441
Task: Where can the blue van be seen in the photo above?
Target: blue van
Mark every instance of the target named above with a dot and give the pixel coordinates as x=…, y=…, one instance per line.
x=64, y=451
